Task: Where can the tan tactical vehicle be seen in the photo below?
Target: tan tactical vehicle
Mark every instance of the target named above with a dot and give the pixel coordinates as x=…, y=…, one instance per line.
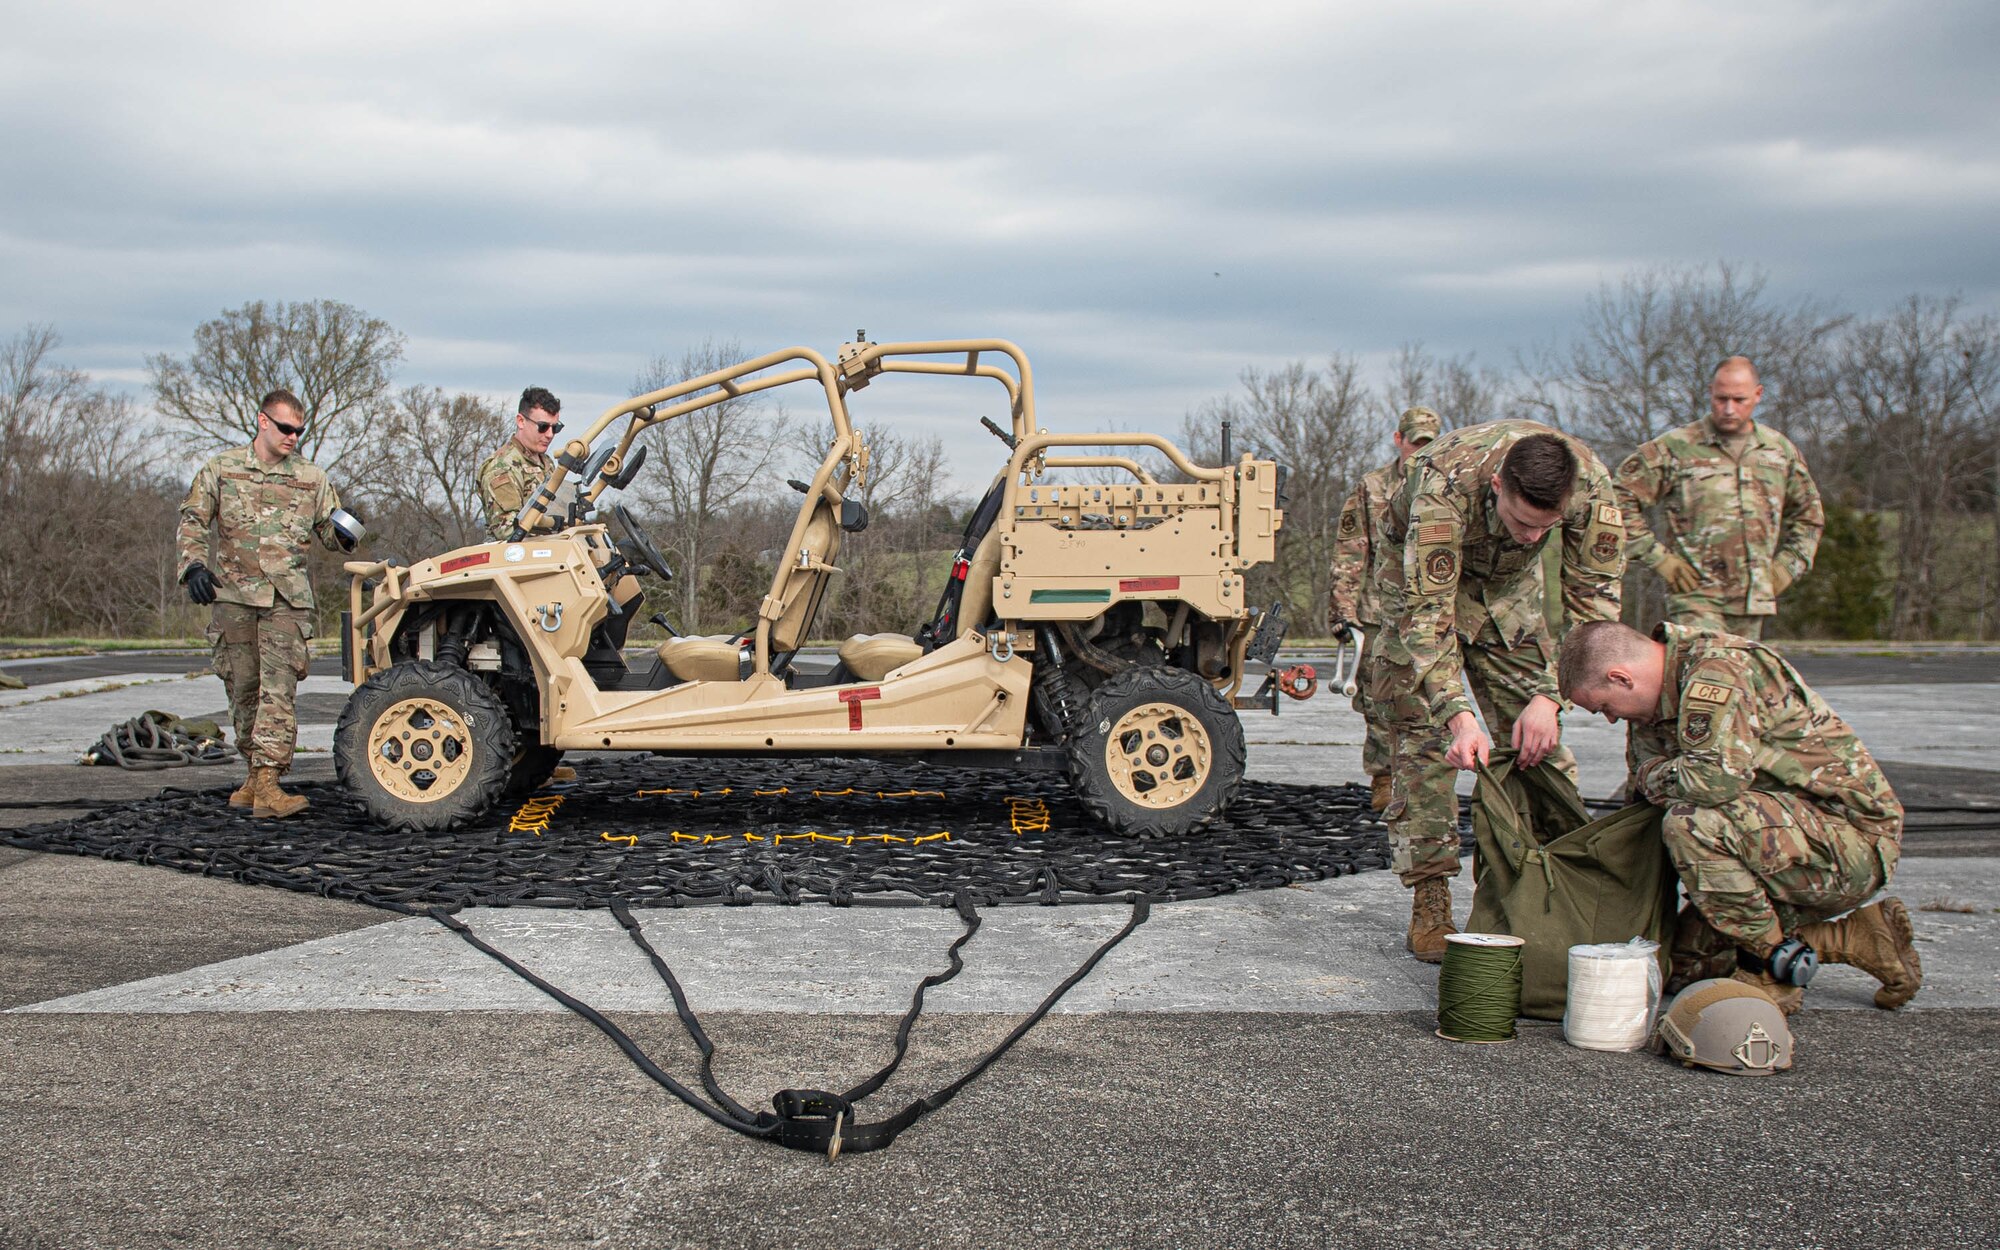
x=1100, y=627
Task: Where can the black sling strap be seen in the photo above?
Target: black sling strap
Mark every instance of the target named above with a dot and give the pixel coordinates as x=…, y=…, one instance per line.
x=801, y=1119
x=943, y=627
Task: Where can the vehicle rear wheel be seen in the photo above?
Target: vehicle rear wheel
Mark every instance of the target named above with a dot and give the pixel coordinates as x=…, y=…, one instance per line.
x=425, y=746
x=1158, y=753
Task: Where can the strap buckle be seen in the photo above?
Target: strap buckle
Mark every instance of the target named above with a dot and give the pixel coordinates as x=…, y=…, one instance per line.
x=815, y=1104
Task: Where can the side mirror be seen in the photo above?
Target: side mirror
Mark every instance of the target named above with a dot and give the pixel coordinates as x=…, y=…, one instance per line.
x=630, y=471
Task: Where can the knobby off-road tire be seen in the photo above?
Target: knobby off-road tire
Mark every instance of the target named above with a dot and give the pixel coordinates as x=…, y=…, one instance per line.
x=1158, y=753
x=425, y=746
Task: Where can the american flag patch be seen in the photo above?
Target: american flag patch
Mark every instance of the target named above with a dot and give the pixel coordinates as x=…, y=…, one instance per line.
x=1434, y=533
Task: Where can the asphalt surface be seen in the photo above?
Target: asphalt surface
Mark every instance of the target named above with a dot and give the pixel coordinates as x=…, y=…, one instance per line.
x=171, y=1081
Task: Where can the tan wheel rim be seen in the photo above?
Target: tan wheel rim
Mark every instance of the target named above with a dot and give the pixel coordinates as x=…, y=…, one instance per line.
x=1158, y=755
x=420, y=751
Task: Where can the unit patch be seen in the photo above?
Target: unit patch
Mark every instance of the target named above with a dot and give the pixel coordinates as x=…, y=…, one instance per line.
x=1441, y=566
x=1695, y=729
x=1604, y=548
x=1708, y=692
x=1350, y=523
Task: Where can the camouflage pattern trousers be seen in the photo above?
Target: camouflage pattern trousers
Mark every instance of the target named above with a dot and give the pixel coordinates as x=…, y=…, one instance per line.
x=1378, y=745
x=1423, y=802
x=261, y=654
x=1762, y=864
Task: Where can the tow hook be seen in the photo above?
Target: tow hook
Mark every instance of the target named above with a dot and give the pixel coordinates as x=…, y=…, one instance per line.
x=1299, y=681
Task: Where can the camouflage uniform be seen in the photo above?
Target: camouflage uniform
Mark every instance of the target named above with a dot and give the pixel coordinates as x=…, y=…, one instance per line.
x=1355, y=599
x=508, y=477
x=1776, y=814
x=1469, y=606
x=1735, y=509
x=262, y=516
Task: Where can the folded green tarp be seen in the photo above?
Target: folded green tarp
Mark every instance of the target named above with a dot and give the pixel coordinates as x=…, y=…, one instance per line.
x=1545, y=872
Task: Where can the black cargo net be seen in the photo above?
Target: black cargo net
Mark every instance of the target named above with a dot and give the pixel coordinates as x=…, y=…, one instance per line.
x=641, y=833
x=651, y=833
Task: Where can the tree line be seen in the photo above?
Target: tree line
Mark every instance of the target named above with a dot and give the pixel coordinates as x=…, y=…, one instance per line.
x=1895, y=413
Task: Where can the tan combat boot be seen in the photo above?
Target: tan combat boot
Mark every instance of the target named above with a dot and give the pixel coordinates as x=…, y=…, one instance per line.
x=1430, y=919
x=1378, y=794
x=1788, y=997
x=273, y=803
x=1876, y=939
x=245, y=795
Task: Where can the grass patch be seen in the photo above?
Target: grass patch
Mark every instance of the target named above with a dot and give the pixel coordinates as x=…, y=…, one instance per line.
x=45, y=648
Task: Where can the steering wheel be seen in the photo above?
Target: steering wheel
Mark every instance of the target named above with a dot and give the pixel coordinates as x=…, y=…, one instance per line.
x=630, y=532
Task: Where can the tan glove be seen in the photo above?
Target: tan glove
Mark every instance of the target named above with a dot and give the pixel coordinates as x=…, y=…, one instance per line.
x=1679, y=574
x=1781, y=577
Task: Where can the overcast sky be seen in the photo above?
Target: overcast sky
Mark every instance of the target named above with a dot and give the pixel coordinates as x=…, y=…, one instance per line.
x=1146, y=197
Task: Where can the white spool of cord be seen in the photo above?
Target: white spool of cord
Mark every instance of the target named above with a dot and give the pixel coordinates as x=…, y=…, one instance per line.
x=1614, y=990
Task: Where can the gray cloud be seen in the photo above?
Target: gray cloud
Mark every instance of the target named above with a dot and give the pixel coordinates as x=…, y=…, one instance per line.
x=1147, y=197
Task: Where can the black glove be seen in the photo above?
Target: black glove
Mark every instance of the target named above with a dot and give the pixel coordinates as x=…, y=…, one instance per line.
x=200, y=583
x=1343, y=631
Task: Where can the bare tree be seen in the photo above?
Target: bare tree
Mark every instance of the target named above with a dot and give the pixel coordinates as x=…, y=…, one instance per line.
x=1641, y=362
x=1915, y=392
x=85, y=517
x=334, y=357
x=705, y=462
x=418, y=474
x=1316, y=424
x=1460, y=391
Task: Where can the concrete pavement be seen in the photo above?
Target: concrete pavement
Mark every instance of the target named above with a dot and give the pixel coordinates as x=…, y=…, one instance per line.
x=195, y=1062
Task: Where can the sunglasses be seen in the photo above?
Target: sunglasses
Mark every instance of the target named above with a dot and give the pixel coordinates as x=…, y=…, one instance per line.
x=289, y=431
x=547, y=427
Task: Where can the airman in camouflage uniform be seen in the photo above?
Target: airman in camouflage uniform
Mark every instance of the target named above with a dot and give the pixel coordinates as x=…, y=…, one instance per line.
x=1776, y=816
x=1742, y=514
x=263, y=503
x=1468, y=604
x=1354, y=600
x=511, y=474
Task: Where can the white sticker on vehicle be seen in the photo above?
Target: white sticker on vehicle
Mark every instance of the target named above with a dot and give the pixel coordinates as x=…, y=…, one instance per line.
x=513, y=554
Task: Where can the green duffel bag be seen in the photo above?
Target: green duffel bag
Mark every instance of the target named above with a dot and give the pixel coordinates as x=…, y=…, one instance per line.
x=1547, y=873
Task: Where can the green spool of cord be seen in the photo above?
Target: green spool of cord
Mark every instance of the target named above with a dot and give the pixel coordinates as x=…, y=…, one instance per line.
x=1479, y=987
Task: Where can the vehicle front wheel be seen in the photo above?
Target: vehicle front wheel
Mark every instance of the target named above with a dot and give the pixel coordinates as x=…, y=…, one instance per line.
x=425, y=746
x=1158, y=753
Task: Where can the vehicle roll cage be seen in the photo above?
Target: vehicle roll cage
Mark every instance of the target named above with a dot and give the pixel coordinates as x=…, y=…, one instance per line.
x=857, y=364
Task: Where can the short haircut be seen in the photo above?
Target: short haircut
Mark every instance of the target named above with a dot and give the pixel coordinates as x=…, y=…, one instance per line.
x=1590, y=649
x=1736, y=362
x=1540, y=469
x=281, y=396
x=538, y=397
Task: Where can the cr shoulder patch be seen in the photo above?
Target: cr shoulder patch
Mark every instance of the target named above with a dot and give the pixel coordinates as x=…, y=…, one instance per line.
x=1708, y=692
x=1696, y=727
x=1441, y=566
x=1608, y=514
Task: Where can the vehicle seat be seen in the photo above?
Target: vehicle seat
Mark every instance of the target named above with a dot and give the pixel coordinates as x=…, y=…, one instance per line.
x=712, y=657
x=871, y=657
x=795, y=595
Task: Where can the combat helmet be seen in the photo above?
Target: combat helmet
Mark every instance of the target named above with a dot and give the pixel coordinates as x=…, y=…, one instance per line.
x=1729, y=1026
